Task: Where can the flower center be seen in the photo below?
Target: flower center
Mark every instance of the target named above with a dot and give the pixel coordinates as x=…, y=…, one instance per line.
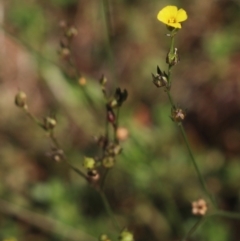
x=172, y=20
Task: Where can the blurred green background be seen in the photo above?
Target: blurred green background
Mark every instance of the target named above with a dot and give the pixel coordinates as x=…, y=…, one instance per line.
x=153, y=183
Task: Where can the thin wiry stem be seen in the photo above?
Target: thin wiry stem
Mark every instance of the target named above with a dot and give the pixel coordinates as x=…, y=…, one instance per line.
x=109, y=210
x=226, y=214
x=200, y=177
x=104, y=177
x=32, y=117
x=194, y=228
x=107, y=18
x=54, y=141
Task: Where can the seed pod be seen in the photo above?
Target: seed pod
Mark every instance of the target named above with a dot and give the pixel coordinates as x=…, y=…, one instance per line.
x=49, y=123
x=20, y=99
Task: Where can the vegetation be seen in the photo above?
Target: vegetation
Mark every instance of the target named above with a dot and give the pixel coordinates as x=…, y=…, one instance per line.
x=109, y=161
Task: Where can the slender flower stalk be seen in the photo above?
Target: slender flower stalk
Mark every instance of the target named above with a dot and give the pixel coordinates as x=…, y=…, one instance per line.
x=194, y=228
x=200, y=177
x=32, y=117
x=109, y=210
x=108, y=33
x=226, y=214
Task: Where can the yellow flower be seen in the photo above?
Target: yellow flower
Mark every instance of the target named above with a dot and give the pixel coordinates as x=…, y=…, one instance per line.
x=172, y=16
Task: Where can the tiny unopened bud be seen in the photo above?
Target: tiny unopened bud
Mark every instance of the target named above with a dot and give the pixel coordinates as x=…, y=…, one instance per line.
x=108, y=162
x=199, y=207
x=113, y=103
x=111, y=116
x=56, y=154
x=117, y=150
x=104, y=237
x=120, y=96
x=65, y=53
x=103, y=80
x=113, y=149
x=93, y=175
x=160, y=79
x=49, y=123
x=178, y=115
x=71, y=32
x=20, y=99
x=89, y=163
x=57, y=158
x=172, y=58
x=125, y=235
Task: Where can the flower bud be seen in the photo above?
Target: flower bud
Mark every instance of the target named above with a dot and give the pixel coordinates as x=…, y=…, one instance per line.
x=108, y=162
x=103, y=80
x=113, y=103
x=125, y=235
x=113, y=149
x=56, y=154
x=89, y=163
x=20, y=99
x=173, y=58
x=120, y=96
x=104, y=237
x=117, y=100
x=111, y=116
x=65, y=52
x=49, y=123
x=93, y=176
x=57, y=157
x=178, y=115
x=117, y=150
x=160, y=79
x=71, y=32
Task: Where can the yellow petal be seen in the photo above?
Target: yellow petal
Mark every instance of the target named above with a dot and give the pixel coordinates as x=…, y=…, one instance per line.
x=181, y=15
x=175, y=25
x=171, y=10
x=166, y=13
